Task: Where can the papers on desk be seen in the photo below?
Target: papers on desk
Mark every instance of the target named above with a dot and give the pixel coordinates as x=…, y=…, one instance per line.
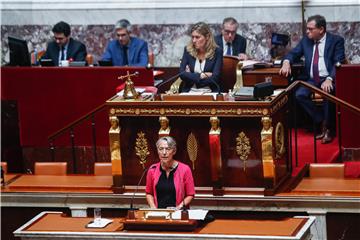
x=193, y=93
x=99, y=224
x=157, y=215
x=197, y=214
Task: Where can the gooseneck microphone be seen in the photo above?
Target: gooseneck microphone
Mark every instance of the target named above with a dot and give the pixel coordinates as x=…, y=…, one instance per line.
x=163, y=83
x=131, y=212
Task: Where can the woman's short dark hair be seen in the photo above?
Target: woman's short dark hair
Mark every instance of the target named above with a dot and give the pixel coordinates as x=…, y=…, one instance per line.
x=320, y=21
x=62, y=27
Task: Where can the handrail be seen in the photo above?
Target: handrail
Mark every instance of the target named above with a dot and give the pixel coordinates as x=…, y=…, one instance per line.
x=328, y=96
x=76, y=122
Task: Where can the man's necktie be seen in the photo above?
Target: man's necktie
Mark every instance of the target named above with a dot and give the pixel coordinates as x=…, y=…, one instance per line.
x=125, y=55
x=228, y=51
x=62, y=54
x=315, y=69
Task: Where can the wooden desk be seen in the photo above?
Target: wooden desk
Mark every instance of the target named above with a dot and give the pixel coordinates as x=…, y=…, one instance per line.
x=328, y=187
x=254, y=76
x=53, y=224
x=70, y=183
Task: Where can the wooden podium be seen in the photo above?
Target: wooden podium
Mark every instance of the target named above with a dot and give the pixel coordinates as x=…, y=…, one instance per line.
x=231, y=147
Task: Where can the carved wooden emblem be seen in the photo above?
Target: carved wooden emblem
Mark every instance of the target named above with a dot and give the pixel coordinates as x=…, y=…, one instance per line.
x=141, y=148
x=192, y=149
x=279, y=140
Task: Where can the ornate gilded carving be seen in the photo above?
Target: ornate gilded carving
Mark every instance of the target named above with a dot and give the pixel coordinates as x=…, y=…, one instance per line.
x=239, y=77
x=267, y=148
x=141, y=148
x=192, y=149
x=164, y=126
x=192, y=111
x=282, y=101
x=215, y=125
x=114, y=143
x=243, y=147
x=129, y=90
x=279, y=140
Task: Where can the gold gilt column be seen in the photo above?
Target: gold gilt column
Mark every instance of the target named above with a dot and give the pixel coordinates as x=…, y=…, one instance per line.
x=115, y=154
x=215, y=156
x=267, y=151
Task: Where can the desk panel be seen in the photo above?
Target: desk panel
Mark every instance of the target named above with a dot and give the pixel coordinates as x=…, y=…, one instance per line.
x=42, y=183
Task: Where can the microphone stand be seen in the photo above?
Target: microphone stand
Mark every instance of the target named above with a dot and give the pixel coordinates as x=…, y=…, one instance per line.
x=184, y=212
x=131, y=212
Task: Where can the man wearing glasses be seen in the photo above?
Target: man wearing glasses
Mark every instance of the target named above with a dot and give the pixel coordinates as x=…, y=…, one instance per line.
x=63, y=47
x=232, y=43
x=322, y=51
x=126, y=50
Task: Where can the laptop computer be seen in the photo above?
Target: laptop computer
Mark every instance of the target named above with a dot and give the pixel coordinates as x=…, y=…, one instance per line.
x=47, y=62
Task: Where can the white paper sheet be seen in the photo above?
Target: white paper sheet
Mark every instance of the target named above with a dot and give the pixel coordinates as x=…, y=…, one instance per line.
x=195, y=214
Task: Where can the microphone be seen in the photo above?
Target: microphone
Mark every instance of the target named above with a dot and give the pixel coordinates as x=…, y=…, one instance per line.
x=219, y=96
x=131, y=212
x=184, y=211
x=163, y=83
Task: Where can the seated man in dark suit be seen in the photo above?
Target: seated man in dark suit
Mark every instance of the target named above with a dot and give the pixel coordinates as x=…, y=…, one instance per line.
x=64, y=47
x=322, y=50
x=229, y=41
x=126, y=50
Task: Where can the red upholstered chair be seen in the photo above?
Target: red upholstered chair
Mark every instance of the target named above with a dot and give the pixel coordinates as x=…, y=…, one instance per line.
x=4, y=166
x=103, y=169
x=50, y=168
x=352, y=169
x=326, y=170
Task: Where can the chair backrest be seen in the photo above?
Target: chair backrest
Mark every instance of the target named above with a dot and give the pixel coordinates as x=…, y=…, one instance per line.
x=228, y=72
x=50, y=168
x=326, y=170
x=4, y=166
x=103, y=169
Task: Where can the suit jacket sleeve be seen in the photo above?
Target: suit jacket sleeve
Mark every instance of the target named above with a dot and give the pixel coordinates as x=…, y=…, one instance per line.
x=107, y=56
x=143, y=58
x=79, y=53
x=296, y=53
x=339, y=55
x=189, y=78
x=215, y=69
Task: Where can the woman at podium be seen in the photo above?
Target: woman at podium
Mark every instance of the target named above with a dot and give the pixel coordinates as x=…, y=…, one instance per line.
x=169, y=183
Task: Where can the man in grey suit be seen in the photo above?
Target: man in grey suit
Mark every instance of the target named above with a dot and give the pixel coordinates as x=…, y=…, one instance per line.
x=229, y=41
